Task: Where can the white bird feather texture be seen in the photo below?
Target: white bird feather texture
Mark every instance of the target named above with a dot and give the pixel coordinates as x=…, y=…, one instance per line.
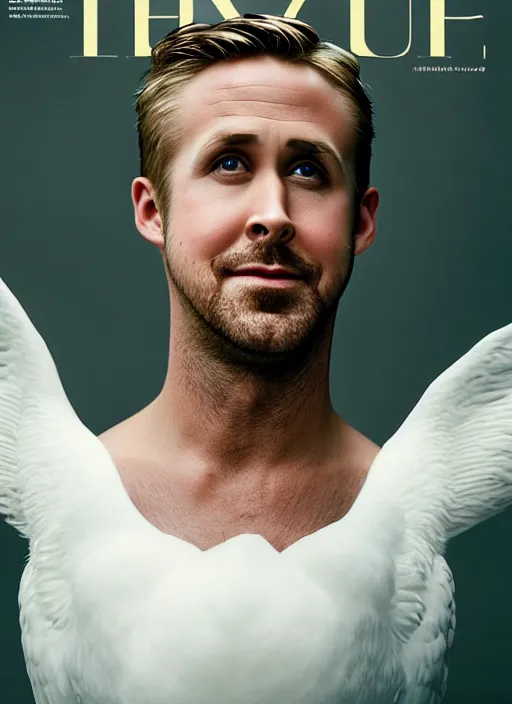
x=113, y=611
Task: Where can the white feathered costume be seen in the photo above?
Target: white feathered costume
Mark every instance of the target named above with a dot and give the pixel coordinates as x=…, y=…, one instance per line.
x=113, y=611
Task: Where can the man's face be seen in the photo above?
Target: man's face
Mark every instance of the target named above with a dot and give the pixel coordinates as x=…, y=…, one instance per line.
x=266, y=201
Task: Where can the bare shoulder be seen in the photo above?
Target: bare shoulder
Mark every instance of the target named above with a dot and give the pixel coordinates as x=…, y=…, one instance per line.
x=127, y=450
x=120, y=452
x=115, y=438
x=360, y=449
x=143, y=474
x=126, y=438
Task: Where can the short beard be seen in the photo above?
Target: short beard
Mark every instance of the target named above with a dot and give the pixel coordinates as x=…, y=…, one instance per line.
x=243, y=328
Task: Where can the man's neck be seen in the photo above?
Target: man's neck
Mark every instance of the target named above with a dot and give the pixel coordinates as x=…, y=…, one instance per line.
x=232, y=418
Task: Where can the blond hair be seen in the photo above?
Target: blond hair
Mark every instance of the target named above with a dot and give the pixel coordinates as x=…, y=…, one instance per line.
x=186, y=51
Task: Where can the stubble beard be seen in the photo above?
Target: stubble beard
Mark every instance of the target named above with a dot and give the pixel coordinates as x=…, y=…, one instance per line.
x=259, y=323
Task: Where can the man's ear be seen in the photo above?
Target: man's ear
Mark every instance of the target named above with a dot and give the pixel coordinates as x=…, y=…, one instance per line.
x=147, y=217
x=365, y=232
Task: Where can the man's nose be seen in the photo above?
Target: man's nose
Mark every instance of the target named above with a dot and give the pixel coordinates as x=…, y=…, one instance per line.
x=269, y=220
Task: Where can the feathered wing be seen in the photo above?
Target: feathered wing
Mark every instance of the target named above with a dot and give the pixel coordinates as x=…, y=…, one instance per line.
x=58, y=487
x=51, y=466
x=42, y=648
x=447, y=468
x=425, y=655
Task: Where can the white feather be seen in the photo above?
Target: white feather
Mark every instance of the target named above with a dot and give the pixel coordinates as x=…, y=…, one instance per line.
x=361, y=612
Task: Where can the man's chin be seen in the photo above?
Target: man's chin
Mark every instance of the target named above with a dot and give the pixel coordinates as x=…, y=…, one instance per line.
x=258, y=356
x=270, y=344
x=240, y=330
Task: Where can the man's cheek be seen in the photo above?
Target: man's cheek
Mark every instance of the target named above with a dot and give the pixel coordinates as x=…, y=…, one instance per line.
x=330, y=249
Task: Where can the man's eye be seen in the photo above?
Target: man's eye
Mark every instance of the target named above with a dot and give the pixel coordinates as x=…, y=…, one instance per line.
x=309, y=170
x=227, y=163
x=306, y=170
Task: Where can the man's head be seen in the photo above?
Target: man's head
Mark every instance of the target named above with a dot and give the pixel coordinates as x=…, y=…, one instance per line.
x=255, y=142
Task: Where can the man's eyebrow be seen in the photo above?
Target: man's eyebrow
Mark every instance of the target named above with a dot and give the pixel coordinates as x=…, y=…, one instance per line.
x=313, y=147
x=229, y=139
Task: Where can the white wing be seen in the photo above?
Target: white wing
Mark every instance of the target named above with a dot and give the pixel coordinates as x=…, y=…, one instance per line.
x=450, y=463
x=425, y=656
x=59, y=488
x=42, y=648
x=52, y=467
x=447, y=468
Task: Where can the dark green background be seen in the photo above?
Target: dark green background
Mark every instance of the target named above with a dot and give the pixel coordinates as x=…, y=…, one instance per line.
x=437, y=279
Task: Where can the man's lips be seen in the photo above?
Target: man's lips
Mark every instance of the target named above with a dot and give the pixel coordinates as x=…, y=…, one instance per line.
x=270, y=272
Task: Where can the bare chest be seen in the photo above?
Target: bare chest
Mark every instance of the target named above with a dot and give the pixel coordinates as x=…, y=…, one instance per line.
x=281, y=512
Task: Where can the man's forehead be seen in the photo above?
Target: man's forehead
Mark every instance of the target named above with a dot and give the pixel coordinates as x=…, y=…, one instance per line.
x=272, y=92
x=271, y=79
x=229, y=89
